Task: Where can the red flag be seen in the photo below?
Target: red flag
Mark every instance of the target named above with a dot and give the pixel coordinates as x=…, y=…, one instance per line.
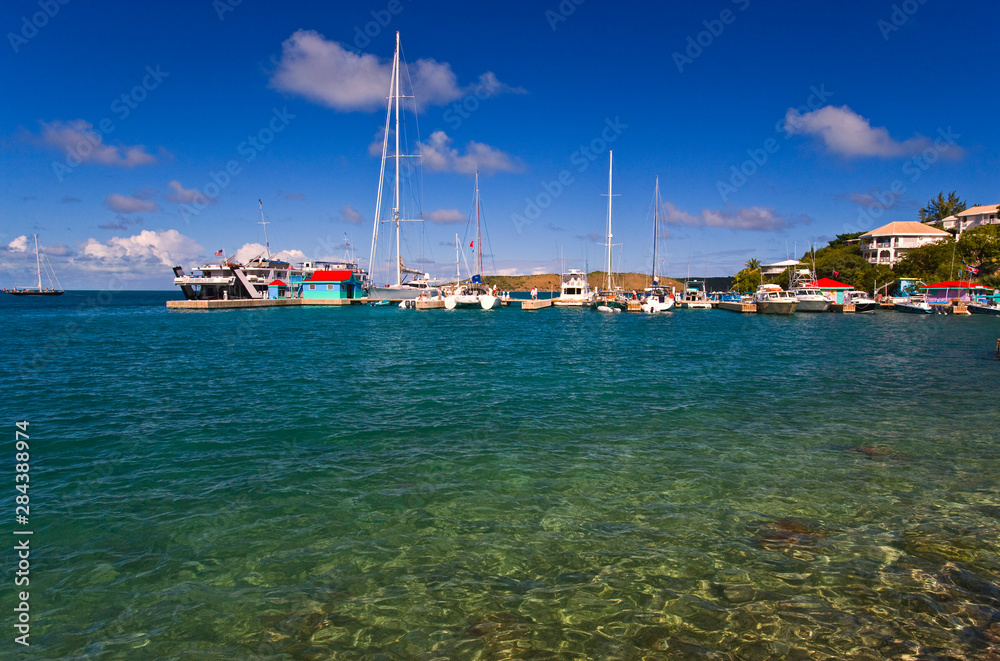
x=471, y=242
x=836, y=273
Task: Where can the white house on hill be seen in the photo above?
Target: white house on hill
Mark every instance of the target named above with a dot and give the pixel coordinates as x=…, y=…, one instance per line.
x=890, y=243
x=970, y=218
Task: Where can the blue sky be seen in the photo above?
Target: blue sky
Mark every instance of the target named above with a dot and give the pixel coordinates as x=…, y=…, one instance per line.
x=770, y=125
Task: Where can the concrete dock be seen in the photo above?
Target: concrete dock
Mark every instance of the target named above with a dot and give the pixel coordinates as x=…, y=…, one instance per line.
x=537, y=304
x=230, y=304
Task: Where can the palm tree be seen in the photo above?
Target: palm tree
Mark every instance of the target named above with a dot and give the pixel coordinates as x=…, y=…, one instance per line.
x=753, y=264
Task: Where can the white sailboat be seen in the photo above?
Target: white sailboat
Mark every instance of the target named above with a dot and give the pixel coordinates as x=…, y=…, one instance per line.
x=474, y=293
x=53, y=289
x=656, y=298
x=606, y=300
x=403, y=288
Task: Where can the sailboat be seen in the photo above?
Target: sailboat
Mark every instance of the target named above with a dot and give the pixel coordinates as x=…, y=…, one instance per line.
x=56, y=290
x=474, y=293
x=657, y=298
x=402, y=289
x=606, y=300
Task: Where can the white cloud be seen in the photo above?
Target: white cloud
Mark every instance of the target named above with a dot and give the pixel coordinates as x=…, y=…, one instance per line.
x=248, y=251
x=847, y=133
x=351, y=215
x=166, y=248
x=20, y=244
x=438, y=154
x=327, y=73
x=447, y=216
x=753, y=219
x=78, y=139
x=183, y=195
x=122, y=204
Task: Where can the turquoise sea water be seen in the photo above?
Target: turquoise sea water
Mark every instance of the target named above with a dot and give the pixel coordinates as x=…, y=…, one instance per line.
x=374, y=483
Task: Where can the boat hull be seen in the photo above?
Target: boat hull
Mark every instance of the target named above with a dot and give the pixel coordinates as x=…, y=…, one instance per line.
x=776, y=307
x=975, y=308
x=695, y=305
x=914, y=308
x=866, y=306
x=29, y=292
x=810, y=305
x=396, y=293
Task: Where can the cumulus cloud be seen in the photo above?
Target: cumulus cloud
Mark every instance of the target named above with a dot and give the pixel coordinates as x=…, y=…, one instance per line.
x=447, y=216
x=438, y=154
x=847, y=133
x=183, y=195
x=325, y=72
x=754, y=219
x=351, y=215
x=122, y=204
x=20, y=244
x=78, y=139
x=167, y=248
x=248, y=251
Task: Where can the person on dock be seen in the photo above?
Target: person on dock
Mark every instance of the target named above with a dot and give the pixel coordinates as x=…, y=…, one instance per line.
x=534, y=293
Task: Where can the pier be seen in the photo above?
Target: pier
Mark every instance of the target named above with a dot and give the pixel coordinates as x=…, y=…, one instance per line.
x=536, y=304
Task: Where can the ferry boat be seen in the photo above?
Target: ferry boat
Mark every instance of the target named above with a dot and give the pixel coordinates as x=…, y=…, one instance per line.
x=574, y=290
x=230, y=280
x=772, y=299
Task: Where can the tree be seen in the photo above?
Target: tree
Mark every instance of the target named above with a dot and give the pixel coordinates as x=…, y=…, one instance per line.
x=940, y=208
x=980, y=248
x=752, y=264
x=746, y=280
x=931, y=262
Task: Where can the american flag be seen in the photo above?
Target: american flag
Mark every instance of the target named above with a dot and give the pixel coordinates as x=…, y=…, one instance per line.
x=218, y=253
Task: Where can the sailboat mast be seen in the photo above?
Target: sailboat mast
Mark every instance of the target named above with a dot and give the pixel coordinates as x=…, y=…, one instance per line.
x=381, y=171
x=267, y=244
x=479, y=236
x=38, y=264
x=656, y=204
x=608, y=265
x=395, y=209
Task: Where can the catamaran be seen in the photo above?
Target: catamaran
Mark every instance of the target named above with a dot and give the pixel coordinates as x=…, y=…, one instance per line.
x=474, y=293
x=53, y=290
x=656, y=298
x=401, y=289
x=607, y=300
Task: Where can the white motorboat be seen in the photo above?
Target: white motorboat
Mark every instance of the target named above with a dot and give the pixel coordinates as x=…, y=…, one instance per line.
x=810, y=299
x=913, y=305
x=861, y=301
x=772, y=299
x=574, y=290
x=695, y=297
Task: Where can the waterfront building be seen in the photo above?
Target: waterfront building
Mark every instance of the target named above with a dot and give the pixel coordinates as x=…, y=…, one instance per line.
x=336, y=284
x=971, y=218
x=890, y=243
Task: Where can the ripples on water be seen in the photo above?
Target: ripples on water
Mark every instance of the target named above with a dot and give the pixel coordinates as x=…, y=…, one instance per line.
x=371, y=483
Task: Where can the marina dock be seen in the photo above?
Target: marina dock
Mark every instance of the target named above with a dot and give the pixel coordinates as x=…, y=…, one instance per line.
x=536, y=304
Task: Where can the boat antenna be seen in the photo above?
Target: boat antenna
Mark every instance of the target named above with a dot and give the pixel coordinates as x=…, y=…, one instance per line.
x=263, y=222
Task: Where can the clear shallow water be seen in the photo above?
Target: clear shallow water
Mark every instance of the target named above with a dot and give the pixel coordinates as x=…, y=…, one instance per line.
x=371, y=483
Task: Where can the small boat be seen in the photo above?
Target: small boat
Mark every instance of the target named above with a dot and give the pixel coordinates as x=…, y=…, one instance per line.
x=475, y=293
x=695, y=297
x=772, y=299
x=380, y=303
x=53, y=290
x=810, y=299
x=983, y=308
x=861, y=301
x=913, y=305
x=609, y=299
x=656, y=298
x=574, y=290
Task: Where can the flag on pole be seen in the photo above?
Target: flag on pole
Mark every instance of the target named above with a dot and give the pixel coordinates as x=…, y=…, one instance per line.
x=218, y=253
x=972, y=269
x=836, y=273
x=471, y=242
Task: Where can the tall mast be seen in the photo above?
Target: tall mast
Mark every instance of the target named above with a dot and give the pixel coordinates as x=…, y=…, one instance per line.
x=38, y=265
x=395, y=208
x=608, y=265
x=656, y=205
x=267, y=244
x=381, y=171
x=479, y=237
